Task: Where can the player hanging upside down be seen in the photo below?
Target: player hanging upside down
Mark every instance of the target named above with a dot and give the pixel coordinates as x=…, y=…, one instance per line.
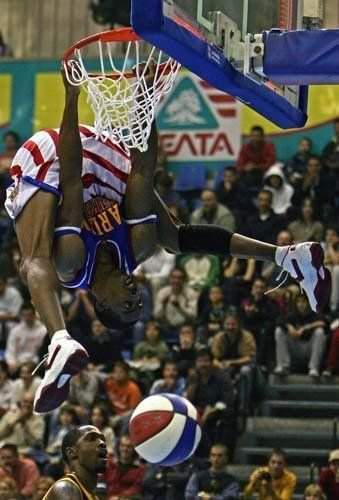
x=86, y=215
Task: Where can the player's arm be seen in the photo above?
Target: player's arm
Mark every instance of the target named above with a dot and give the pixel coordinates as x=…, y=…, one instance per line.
x=69, y=250
x=139, y=198
x=64, y=490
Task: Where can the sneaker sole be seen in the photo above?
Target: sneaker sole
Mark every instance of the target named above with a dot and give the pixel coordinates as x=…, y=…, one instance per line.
x=52, y=396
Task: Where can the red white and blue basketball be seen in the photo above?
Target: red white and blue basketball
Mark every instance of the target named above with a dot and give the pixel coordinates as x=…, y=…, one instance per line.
x=164, y=429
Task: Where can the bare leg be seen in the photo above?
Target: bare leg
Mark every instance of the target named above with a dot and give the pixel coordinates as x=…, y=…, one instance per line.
x=245, y=248
x=35, y=231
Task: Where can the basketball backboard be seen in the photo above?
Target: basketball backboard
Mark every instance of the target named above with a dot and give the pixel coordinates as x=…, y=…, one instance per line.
x=223, y=42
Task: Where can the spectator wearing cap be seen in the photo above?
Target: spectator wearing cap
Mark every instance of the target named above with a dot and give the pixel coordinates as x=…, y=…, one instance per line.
x=329, y=477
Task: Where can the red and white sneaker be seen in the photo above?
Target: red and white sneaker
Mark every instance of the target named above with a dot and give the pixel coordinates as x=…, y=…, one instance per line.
x=65, y=358
x=305, y=263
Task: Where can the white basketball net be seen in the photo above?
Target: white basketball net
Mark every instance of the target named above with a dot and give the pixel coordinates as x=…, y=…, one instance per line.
x=124, y=106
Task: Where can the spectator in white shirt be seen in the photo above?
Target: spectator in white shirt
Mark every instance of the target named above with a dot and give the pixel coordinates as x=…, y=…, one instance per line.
x=25, y=339
x=6, y=388
x=25, y=383
x=10, y=301
x=157, y=268
x=175, y=304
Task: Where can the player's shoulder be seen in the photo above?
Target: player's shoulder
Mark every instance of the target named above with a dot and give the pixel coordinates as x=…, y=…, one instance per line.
x=64, y=490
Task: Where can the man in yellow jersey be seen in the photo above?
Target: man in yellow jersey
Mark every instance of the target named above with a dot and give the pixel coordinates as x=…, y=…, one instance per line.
x=84, y=450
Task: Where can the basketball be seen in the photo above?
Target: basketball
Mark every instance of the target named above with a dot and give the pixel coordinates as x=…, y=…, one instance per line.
x=164, y=429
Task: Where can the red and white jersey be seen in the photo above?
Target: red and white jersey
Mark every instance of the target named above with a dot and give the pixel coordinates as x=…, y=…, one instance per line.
x=105, y=168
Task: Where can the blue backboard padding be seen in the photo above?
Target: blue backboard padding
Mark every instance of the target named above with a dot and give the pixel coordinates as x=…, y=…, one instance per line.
x=209, y=63
x=302, y=57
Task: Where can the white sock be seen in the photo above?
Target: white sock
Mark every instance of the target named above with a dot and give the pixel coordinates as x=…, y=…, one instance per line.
x=60, y=335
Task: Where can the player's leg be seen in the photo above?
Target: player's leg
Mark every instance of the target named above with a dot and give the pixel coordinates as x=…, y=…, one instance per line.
x=304, y=262
x=35, y=232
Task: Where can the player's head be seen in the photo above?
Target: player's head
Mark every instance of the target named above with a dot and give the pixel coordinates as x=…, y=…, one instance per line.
x=85, y=447
x=117, y=301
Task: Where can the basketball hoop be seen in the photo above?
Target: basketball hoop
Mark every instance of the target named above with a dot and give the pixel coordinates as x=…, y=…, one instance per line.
x=122, y=100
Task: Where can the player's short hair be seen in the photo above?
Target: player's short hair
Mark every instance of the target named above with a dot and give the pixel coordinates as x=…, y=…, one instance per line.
x=70, y=439
x=109, y=318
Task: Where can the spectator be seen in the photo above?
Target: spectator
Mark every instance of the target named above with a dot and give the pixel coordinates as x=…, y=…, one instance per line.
x=332, y=263
x=125, y=476
x=202, y=271
x=300, y=339
x=21, y=427
x=9, y=490
x=27, y=382
x=314, y=492
x=282, y=191
x=5, y=49
x=23, y=471
x=6, y=388
x=10, y=302
x=103, y=346
x=315, y=184
x=237, y=278
x=258, y=314
x=211, y=391
x=332, y=362
x=184, y=353
x=25, y=339
x=234, y=349
x=168, y=483
x=215, y=482
x=213, y=212
x=306, y=228
x=272, y=481
x=157, y=268
x=80, y=314
x=67, y=420
x=153, y=348
x=257, y=153
x=296, y=166
x=330, y=154
x=100, y=418
x=175, y=304
x=12, y=143
x=163, y=183
x=233, y=194
x=170, y=381
x=43, y=484
x=83, y=392
x=121, y=391
x=213, y=314
x=265, y=224
x=329, y=477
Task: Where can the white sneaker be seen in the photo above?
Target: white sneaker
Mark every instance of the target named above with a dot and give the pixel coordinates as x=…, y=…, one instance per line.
x=305, y=263
x=65, y=358
x=314, y=373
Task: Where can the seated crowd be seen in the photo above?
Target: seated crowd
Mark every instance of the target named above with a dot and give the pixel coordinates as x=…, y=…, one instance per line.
x=209, y=332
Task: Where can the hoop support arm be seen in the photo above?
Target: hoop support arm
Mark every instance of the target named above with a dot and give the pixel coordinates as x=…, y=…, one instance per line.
x=302, y=57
